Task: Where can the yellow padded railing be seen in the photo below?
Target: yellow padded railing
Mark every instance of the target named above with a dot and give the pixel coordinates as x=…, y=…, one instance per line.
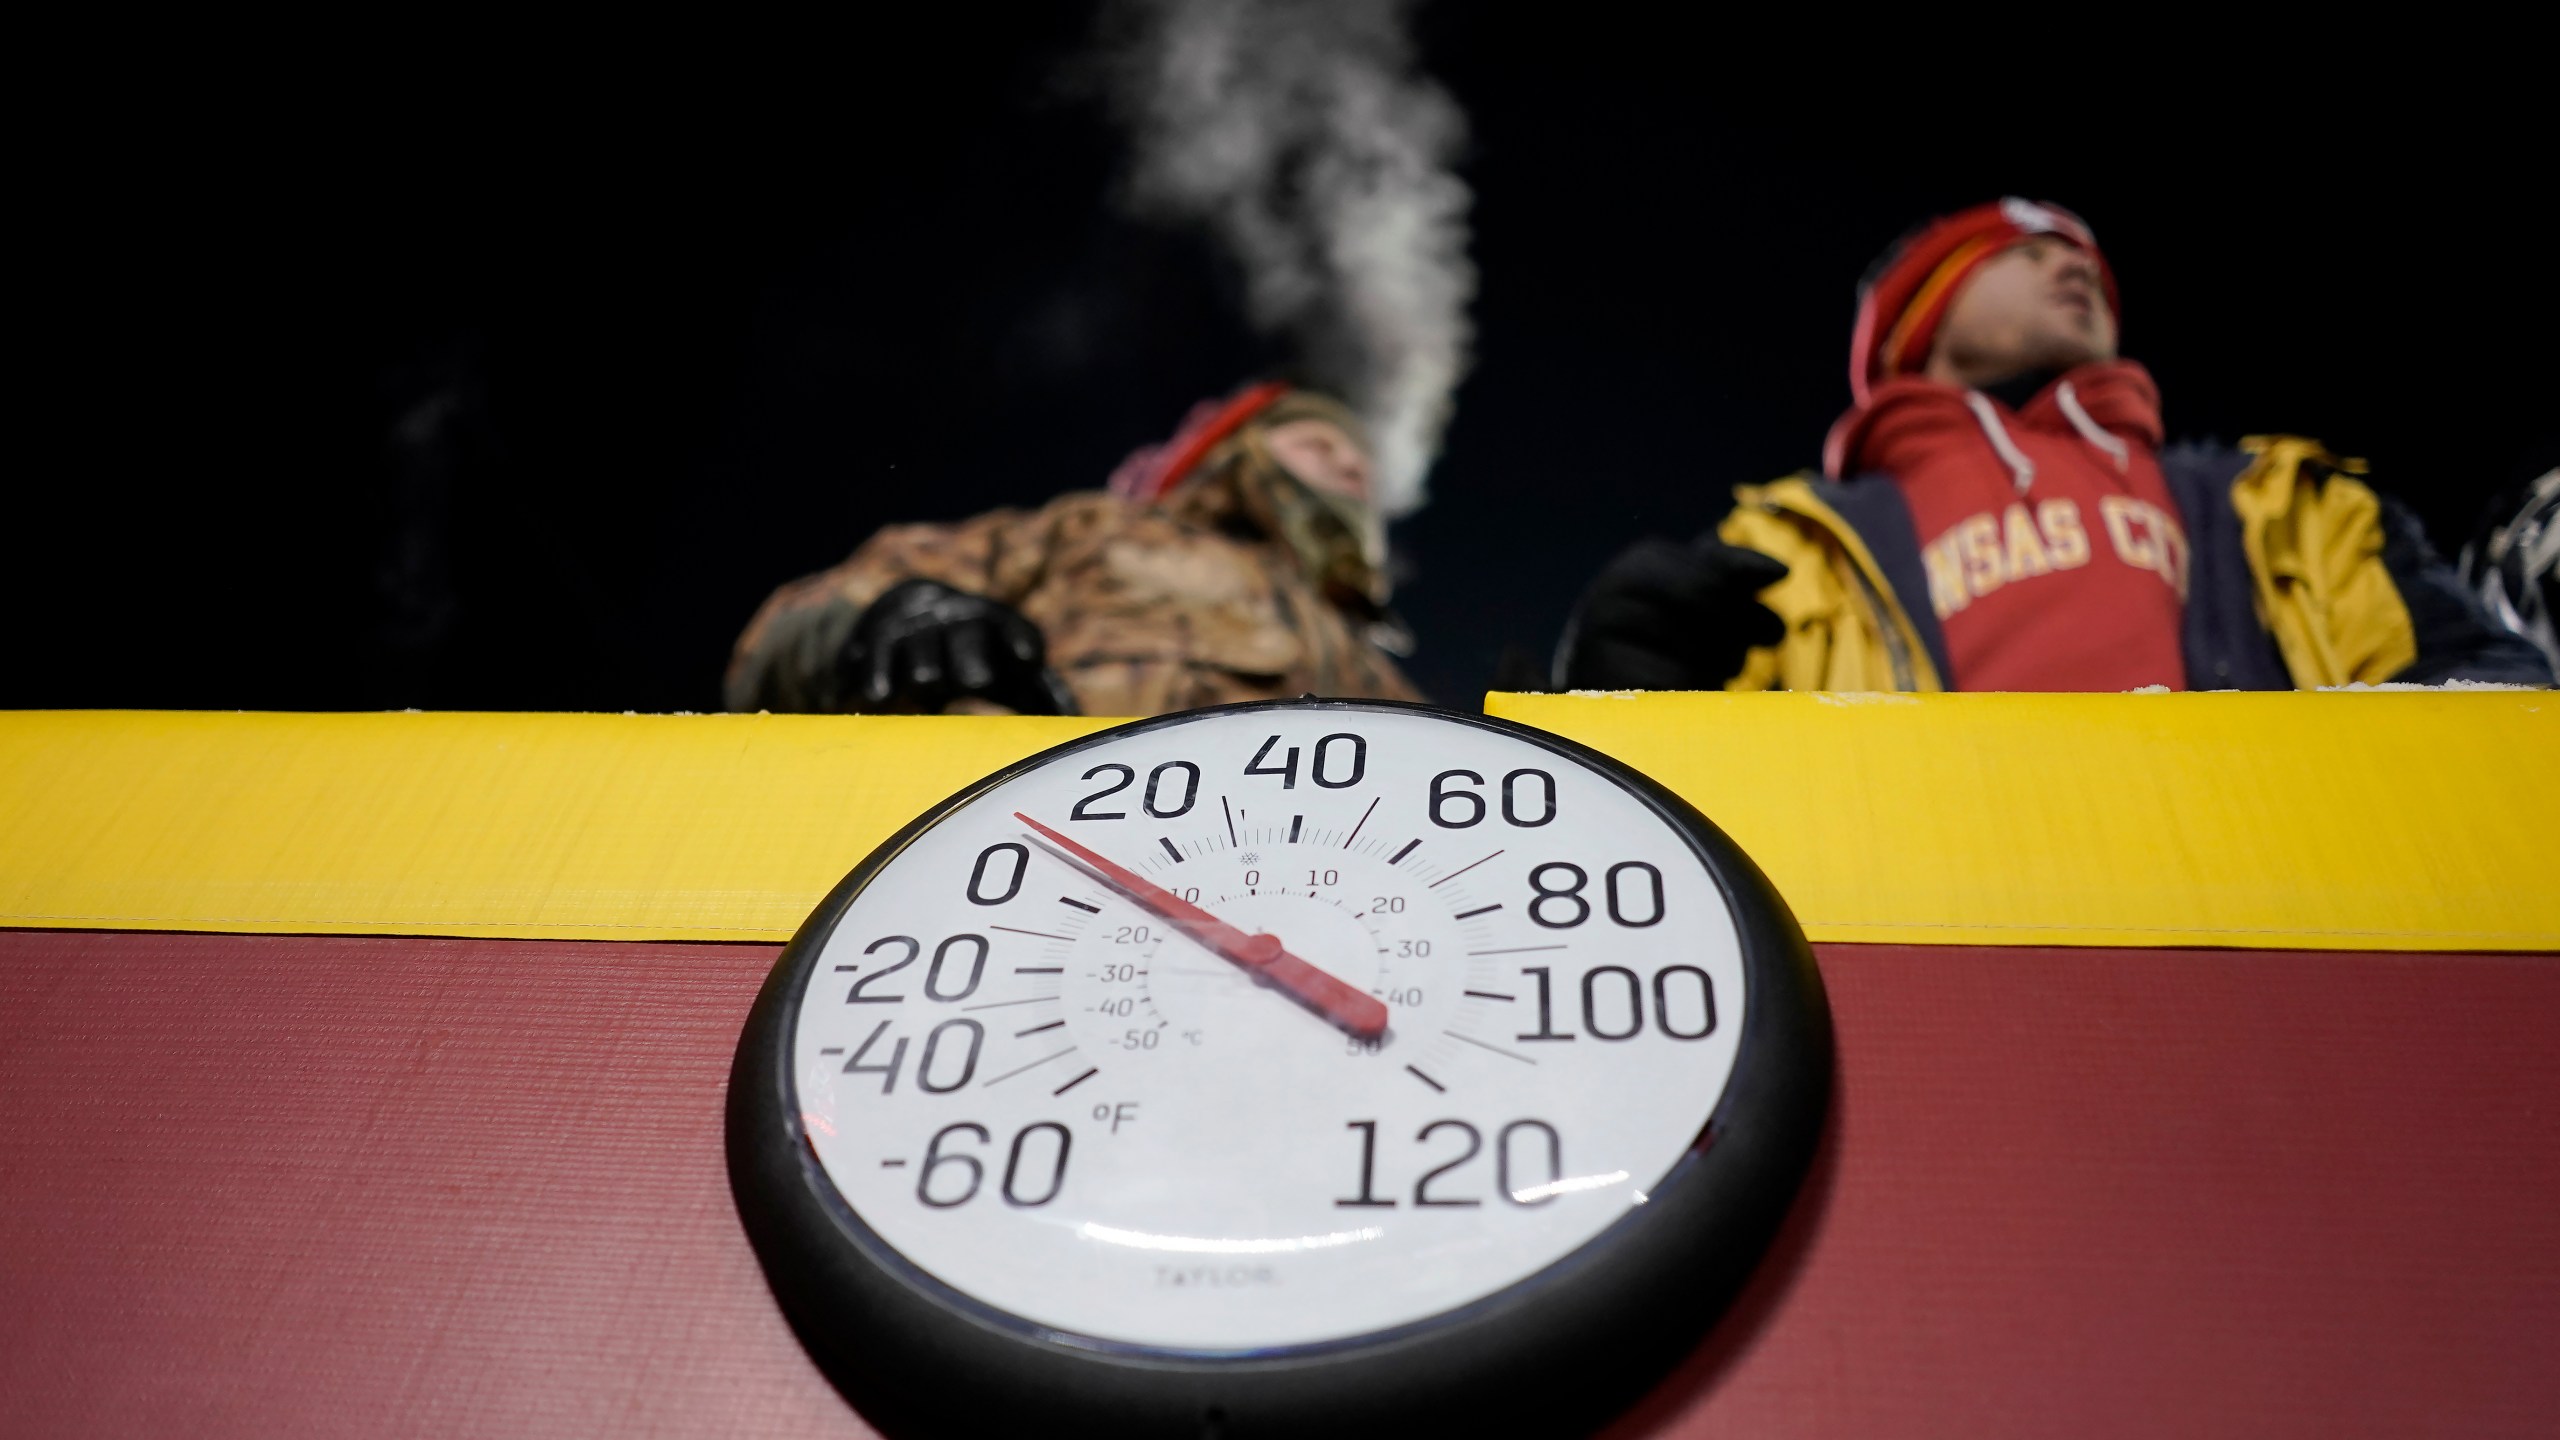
x=2377, y=820
x=2380, y=821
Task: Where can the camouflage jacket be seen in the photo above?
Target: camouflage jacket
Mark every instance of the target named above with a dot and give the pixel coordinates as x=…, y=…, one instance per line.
x=1145, y=609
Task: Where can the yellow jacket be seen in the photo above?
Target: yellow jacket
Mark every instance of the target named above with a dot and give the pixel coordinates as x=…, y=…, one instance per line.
x=2304, y=576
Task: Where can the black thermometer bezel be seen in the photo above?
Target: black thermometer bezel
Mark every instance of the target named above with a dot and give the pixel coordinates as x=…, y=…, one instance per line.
x=1557, y=1352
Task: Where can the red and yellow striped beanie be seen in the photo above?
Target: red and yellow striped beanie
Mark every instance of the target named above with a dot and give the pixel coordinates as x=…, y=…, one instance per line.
x=1906, y=294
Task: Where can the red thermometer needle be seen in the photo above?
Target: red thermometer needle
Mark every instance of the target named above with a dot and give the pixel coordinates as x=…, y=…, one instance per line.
x=1262, y=956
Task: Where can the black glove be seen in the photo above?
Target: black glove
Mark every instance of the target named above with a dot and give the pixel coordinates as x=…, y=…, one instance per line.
x=1664, y=616
x=922, y=645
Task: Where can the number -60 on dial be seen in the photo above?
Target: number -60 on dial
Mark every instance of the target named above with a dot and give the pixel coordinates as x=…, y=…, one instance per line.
x=1311, y=1067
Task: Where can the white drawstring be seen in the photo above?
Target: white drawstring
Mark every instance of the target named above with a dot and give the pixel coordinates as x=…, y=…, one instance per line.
x=2115, y=447
x=2021, y=469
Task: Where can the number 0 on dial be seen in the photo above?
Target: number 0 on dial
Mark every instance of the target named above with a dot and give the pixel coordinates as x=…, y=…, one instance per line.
x=1312, y=1067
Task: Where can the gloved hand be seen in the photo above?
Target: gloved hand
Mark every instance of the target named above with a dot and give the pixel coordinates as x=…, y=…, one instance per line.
x=922, y=645
x=1666, y=616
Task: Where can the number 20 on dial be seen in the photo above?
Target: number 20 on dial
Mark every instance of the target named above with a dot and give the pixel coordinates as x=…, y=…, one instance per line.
x=1341, y=1064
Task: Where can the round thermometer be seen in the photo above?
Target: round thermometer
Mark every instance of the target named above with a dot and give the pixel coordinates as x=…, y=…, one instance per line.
x=1310, y=1067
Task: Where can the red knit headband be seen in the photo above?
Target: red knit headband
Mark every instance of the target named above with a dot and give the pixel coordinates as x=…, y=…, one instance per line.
x=1152, y=471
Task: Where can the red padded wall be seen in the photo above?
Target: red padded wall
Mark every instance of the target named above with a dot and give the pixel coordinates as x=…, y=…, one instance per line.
x=285, y=1186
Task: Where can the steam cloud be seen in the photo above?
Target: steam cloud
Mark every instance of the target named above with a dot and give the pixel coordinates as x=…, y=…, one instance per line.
x=1302, y=134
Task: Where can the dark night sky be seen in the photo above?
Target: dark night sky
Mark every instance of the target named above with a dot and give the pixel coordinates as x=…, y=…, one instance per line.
x=689, y=328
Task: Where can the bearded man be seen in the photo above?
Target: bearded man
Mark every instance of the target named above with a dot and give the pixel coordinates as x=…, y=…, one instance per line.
x=1243, y=559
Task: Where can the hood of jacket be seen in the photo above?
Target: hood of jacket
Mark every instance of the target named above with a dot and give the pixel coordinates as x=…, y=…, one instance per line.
x=2106, y=404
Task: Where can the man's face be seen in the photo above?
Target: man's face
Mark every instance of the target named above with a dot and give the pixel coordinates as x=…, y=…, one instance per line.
x=1322, y=457
x=2037, y=305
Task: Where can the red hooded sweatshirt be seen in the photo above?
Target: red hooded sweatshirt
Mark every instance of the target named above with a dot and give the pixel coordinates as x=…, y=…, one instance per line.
x=2055, y=557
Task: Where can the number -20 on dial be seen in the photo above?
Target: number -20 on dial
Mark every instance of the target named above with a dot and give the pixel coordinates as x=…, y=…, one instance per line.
x=1339, y=1065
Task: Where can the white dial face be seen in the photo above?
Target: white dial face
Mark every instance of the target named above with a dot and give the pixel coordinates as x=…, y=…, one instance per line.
x=1059, y=1088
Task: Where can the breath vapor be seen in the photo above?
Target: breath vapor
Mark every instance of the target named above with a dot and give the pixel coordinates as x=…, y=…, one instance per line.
x=1303, y=135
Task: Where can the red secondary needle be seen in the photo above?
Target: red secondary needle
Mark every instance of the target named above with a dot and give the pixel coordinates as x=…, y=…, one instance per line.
x=1262, y=956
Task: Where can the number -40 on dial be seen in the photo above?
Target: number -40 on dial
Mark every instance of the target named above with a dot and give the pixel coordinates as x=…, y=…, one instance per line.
x=1250, y=1070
